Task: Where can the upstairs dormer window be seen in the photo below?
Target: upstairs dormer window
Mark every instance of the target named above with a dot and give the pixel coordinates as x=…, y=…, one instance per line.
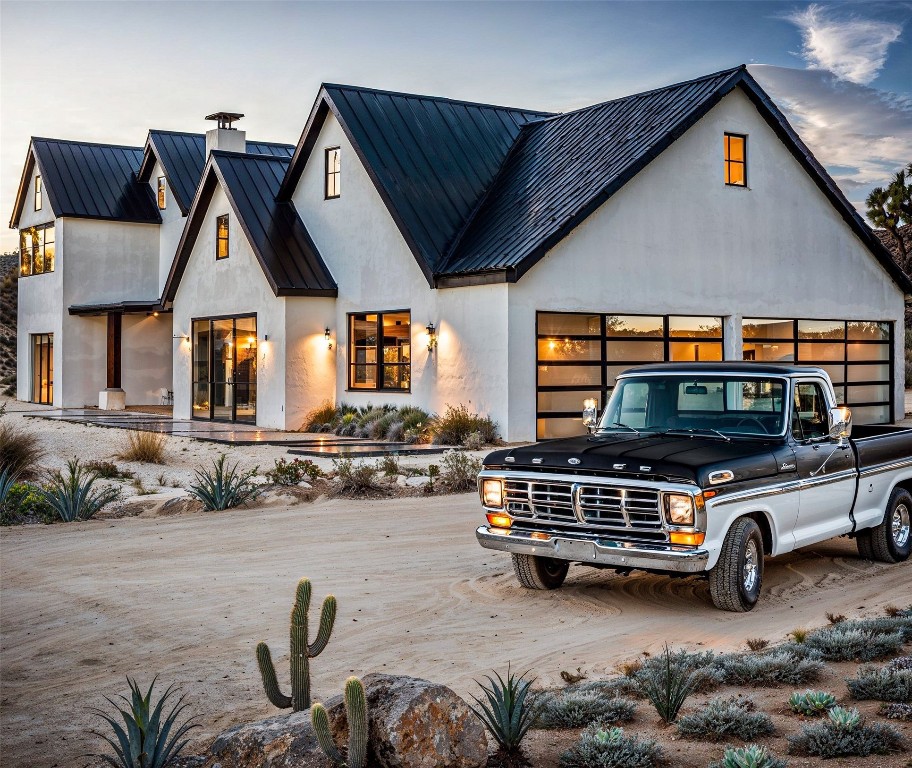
x=221, y=237
x=38, y=194
x=162, y=197
x=333, y=172
x=735, y=160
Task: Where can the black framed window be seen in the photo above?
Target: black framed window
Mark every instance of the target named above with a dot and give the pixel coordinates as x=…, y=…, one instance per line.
x=43, y=368
x=39, y=193
x=580, y=355
x=735, y=160
x=162, y=195
x=856, y=354
x=224, y=368
x=380, y=345
x=221, y=237
x=36, y=250
x=333, y=173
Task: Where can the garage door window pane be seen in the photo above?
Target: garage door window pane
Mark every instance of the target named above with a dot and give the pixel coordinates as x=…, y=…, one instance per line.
x=569, y=376
x=634, y=325
x=835, y=372
x=550, y=428
x=636, y=351
x=871, y=393
x=706, y=327
x=767, y=329
x=821, y=329
x=695, y=350
x=781, y=353
x=569, y=349
x=869, y=352
x=571, y=402
x=864, y=331
x=871, y=414
x=820, y=351
x=869, y=372
x=551, y=324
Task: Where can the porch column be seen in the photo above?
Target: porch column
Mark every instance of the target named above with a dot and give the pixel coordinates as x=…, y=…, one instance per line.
x=113, y=398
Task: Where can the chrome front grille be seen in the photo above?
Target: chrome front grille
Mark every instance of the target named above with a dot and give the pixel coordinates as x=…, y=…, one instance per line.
x=626, y=512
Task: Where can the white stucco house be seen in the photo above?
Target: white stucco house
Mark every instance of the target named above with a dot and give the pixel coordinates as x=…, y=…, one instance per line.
x=420, y=250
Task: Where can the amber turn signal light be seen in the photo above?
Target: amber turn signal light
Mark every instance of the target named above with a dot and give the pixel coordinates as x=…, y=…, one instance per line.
x=499, y=521
x=680, y=537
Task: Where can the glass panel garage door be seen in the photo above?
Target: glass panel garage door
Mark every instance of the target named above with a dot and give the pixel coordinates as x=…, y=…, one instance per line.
x=857, y=355
x=580, y=355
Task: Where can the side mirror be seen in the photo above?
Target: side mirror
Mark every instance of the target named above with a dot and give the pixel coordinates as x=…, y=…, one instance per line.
x=840, y=419
x=590, y=414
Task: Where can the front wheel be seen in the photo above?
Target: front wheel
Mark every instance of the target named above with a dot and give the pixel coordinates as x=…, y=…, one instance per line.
x=891, y=541
x=535, y=572
x=734, y=582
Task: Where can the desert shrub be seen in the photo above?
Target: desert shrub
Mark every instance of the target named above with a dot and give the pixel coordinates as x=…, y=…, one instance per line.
x=459, y=471
x=751, y=756
x=897, y=711
x=610, y=748
x=627, y=687
x=576, y=709
x=757, y=643
x=844, y=733
x=20, y=451
x=884, y=625
x=899, y=663
x=724, y=718
x=667, y=680
x=25, y=502
x=892, y=610
x=473, y=442
x=415, y=424
x=507, y=712
x=389, y=465
x=223, y=488
x=799, y=635
x=776, y=668
x=151, y=738
x=107, y=470
x=844, y=642
x=884, y=684
x=710, y=674
x=323, y=418
x=72, y=495
x=812, y=703
x=458, y=422
x=293, y=472
x=835, y=618
x=145, y=447
x=356, y=479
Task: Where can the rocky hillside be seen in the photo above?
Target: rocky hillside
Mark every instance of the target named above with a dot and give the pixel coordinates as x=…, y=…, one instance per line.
x=9, y=275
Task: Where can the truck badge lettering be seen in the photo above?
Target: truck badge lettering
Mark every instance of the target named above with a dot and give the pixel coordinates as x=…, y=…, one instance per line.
x=536, y=461
x=644, y=468
x=787, y=466
x=620, y=466
x=573, y=461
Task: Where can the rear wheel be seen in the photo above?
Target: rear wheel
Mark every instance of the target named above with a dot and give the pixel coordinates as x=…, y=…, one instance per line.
x=535, y=572
x=734, y=582
x=891, y=541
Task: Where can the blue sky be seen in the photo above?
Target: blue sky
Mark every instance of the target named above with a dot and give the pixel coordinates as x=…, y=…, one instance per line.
x=109, y=71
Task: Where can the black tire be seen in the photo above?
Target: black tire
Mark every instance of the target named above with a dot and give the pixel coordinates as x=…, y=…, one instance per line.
x=535, y=572
x=863, y=542
x=735, y=581
x=891, y=541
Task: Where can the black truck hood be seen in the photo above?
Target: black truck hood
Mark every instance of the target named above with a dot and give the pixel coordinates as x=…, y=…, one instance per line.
x=673, y=456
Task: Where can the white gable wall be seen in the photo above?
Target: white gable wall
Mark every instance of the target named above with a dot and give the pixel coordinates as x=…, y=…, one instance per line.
x=376, y=271
x=172, y=226
x=676, y=240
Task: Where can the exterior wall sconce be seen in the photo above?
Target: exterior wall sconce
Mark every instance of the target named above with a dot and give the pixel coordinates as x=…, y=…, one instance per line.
x=328, y=337
x=181, y=336
x=432, y=337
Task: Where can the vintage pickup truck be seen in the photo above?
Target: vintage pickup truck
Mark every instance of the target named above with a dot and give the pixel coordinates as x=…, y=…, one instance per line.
x=701, y=468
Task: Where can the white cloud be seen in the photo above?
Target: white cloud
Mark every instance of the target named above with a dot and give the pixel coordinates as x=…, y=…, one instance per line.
x=853, y=49
x=862, y=135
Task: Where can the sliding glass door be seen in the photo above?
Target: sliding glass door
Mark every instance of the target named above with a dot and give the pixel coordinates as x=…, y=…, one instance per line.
x=43, y=368
x=224, y=368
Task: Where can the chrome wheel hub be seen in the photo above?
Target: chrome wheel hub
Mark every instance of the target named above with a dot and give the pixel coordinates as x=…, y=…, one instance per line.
x=751, y=572
x=900, y=525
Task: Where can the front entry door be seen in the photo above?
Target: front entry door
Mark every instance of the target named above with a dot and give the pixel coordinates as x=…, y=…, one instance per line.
x=826, y=471
x=224, y=369
x=43, y=368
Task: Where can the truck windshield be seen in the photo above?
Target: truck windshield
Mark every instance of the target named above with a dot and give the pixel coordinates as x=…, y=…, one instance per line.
x=712, y=405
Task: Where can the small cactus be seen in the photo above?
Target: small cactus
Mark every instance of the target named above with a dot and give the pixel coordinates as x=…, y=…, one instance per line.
x=301, y=651
x=356, y=712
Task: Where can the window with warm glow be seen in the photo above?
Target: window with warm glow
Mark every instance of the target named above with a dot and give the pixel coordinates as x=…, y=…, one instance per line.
x=38, y=194
x=221, y=237
x=162, y=199
x=380, y=351
x=333, y=172
x=735, y=160
x=36, y=250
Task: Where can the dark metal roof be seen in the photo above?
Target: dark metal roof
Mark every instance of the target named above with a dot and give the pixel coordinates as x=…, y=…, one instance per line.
x=286, y=252
x=430, y=158
x=183, y=156
x=89, y=181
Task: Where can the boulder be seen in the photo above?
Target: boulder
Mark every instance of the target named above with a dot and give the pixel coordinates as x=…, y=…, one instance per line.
x=413, y=724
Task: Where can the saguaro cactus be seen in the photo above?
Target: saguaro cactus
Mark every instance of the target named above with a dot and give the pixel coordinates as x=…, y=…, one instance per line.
x=301, y=651
x=356, y=711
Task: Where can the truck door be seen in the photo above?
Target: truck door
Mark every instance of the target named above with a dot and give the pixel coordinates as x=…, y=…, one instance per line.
x=825, y=470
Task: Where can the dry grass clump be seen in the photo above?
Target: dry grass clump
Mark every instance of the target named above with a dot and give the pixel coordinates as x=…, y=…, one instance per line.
x=144, y=447
x=20, y=451
x=757, y=643
x=835, y=618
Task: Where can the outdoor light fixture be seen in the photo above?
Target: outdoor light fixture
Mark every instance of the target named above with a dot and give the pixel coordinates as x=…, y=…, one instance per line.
x=181, y=336
x=328, y=337
x=432, y=336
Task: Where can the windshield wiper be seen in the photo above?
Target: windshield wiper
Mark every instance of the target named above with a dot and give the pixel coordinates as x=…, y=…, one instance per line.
x=726, y=438
x=618, y=424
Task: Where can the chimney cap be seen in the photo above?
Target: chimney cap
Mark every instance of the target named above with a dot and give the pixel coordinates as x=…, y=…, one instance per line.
x=225, y=119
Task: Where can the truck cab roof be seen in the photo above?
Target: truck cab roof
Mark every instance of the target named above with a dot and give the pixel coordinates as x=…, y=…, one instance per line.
x=735, y=366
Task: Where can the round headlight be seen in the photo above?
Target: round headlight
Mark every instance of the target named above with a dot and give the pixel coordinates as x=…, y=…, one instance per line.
x=679, y=509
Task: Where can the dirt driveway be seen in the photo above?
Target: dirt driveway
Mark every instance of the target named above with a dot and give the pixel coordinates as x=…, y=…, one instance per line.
x=188, y=598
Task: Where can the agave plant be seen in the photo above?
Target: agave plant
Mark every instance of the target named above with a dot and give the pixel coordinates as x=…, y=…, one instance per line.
x=668, y=682
x=7, y=478
x=812, y=702
x=507, y=712
x=751, y=756
x=224, y=488
x=844, y=719
x=71, y=494
x=146, y=740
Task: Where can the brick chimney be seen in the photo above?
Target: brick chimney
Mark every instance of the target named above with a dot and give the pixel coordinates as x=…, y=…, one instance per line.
x=225, y=137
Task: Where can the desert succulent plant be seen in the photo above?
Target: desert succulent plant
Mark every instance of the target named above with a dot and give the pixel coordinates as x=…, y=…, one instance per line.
x=301, y=651
x=356, y=713
x=812, y=702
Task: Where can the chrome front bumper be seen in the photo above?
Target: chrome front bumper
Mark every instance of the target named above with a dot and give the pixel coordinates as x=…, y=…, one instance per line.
x=618, y=554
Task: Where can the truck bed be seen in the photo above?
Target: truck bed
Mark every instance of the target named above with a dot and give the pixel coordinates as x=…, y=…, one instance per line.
x=876, y=445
